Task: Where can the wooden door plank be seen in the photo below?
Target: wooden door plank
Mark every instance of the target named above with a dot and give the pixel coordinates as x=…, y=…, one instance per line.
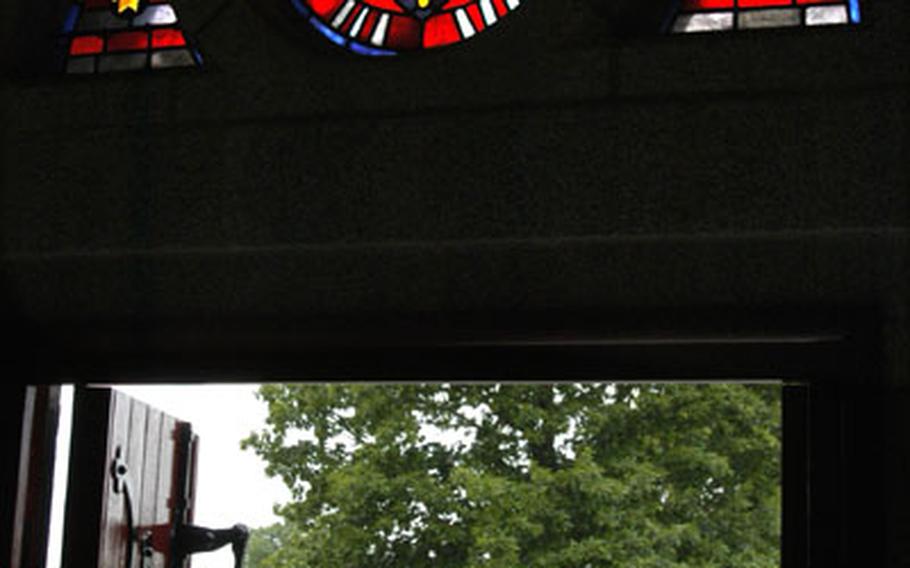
x=165, y=503
x=113, y=538
x=135, y=457
x=151, y=471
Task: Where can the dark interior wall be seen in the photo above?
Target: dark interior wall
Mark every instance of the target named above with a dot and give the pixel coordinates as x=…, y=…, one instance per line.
x=542, y=168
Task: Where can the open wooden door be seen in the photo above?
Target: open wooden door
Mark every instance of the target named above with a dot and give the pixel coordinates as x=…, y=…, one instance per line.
x=131, y=483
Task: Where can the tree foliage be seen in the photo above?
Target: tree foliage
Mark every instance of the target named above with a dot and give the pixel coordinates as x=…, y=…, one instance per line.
x=539, y=476
x=274, y=546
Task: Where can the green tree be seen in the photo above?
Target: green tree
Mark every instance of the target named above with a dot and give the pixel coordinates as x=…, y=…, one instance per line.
x=543, y=476
x=275, y=546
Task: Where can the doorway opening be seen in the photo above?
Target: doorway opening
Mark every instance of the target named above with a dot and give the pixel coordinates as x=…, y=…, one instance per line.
x=482, y=473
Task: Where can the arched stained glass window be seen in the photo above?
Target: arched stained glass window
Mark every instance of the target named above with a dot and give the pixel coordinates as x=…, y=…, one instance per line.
x=722, y=15
x=388, y=27
x=101, y=36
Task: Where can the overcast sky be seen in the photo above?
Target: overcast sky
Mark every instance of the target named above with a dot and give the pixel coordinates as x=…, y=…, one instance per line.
x=232, y=486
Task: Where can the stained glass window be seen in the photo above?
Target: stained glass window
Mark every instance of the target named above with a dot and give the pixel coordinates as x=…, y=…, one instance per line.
x=388, y=27
x=101, y=36
x=723, y=15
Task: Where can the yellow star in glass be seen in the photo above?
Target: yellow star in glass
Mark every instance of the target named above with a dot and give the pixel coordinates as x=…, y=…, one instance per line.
x=125, y=5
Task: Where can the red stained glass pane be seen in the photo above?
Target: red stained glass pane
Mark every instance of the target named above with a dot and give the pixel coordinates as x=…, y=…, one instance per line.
x=168, y=37
x=128, y=41
x=368, y=26
x=473, y=11
x=387, y=5
x=404, y=33
x=763, y=3
x=325, y=7
x=86, y=45
x=452, y=4
x=692, y=5
x=441, y=30
x=349, y=22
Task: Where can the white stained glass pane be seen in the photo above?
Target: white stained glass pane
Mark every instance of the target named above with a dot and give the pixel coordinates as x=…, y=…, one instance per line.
x=358, y=23
x=79, y=65
x=488, y=11
x=156, y=15
x=379, y=32
x=172, y=58
x=707, y=22
x=342, y=14
x=826, y=15
x=769, y=18
x=464, y=23
x=121, y=62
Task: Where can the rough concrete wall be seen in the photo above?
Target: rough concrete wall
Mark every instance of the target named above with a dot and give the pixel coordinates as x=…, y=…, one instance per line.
x=541, y=153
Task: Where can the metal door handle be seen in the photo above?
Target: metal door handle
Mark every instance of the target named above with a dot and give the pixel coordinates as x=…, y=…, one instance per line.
x=191, y=539
x=186, y=539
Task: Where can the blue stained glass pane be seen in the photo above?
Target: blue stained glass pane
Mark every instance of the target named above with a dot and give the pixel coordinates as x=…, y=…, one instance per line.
x=854, y=11
x=328, y=32
x=300, y=7
x=365, y=50
x=71, y=17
